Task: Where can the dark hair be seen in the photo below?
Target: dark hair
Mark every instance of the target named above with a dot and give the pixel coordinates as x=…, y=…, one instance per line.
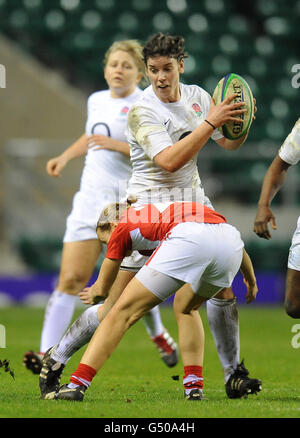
x=164, y=45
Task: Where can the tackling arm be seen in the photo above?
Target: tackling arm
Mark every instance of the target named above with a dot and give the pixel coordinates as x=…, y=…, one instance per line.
x=249, y=277
x=100, y=289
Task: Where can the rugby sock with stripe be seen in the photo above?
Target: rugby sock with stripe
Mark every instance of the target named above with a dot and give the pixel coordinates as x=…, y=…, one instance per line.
x=192, y=378
x=83, y=376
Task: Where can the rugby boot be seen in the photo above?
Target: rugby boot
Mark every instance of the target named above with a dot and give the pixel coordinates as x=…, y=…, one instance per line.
x=240, y=385
x=72, y=394
x=194, y=395
x=50, y=376
x=167, y=348
x=33, y=361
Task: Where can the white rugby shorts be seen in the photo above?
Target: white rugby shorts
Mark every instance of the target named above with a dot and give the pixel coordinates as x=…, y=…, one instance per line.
x=136, y=261
x=81, y=222
x=294, y=253
x=202, y=255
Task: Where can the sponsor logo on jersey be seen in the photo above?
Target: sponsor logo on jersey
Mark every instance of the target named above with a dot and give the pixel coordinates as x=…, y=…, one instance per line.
x=124, y=110
x=197, y=109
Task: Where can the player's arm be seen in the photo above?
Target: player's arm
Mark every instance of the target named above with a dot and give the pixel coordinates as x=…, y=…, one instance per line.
x=97, y=142
x=100, y=289
x=176, y=156
x=77, y=149
x=272, y=183
x=249, y=277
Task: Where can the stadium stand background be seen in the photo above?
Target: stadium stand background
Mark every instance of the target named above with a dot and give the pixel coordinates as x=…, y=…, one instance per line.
x=52, y=53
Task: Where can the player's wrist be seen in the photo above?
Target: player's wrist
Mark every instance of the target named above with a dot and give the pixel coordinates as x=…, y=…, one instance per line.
x=210, y=123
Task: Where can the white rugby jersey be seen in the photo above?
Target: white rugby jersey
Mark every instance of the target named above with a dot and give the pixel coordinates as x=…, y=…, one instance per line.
x=154, y=125
x=107, y=116
x=290, y=149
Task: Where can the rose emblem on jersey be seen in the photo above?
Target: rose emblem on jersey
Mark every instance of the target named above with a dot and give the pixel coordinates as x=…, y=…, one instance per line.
x=196, y=107
x=124, y=110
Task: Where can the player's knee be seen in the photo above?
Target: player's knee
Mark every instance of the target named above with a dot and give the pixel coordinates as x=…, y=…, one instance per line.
x=225, y=294
x=292, y=308
x=72, y=283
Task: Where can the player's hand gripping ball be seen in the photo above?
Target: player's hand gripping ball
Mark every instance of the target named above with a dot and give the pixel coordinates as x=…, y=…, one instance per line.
x=235, y=84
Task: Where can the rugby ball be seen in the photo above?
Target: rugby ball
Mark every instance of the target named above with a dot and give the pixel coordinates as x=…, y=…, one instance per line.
x=235, y=84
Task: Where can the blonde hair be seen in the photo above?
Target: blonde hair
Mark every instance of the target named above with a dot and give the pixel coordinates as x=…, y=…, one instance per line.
x=133, y=47
x=112, y=214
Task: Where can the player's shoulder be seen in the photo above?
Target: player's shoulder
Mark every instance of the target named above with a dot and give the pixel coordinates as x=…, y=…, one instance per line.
x=145, y=98
x=195, y=91
x=98, y=96
x=144, y=106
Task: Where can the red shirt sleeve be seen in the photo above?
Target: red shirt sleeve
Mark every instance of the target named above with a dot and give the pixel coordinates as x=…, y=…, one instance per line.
x=119, y=242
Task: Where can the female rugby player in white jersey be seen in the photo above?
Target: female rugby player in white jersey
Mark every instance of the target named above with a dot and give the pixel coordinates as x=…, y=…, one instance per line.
x=106, y=172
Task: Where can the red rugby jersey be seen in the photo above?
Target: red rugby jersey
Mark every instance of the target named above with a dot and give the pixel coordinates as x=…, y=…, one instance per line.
x=143, y=228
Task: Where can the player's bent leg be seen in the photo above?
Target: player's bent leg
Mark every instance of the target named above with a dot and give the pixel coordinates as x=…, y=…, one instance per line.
x=190, y=328
x=161, y=338
x=78, y=335
x=191, y=340
x=163, y=341
x=292, y=293
x=135, y=301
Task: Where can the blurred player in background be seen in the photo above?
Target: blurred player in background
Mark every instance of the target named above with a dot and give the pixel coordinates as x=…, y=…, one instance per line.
x=195, y=247
x=168, y=125
x=106, y=171
x=288, y=155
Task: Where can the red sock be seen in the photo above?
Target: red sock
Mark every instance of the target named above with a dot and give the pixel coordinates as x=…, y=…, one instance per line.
x=83, y=375
x=192, y=378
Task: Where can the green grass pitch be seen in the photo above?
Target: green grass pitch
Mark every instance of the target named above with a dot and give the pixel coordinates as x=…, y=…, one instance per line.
x=135, y=383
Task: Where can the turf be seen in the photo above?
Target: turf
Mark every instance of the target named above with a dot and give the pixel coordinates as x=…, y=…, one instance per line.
x=135, y=383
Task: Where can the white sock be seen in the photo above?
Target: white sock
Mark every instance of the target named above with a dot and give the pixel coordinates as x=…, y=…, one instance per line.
x=77, y=335
x=224, y=324
x=58, y=315
x=153, y=322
